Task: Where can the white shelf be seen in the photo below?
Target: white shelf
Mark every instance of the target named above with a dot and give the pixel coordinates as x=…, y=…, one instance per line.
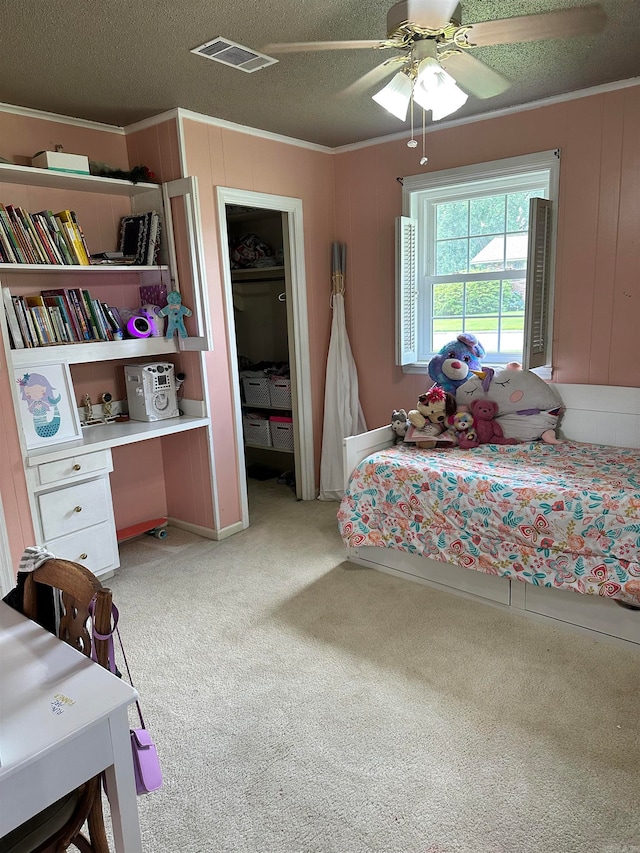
x=277, y=408
x=267, y=447
x=106, y=436
x=74, y=268
x=11, y=174
x=262, y=273
x=93, y=351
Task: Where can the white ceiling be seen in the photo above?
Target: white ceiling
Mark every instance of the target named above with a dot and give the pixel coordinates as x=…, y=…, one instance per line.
x=120, y=61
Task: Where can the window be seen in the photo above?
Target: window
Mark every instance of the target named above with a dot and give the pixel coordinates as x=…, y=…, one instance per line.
x=475, y=255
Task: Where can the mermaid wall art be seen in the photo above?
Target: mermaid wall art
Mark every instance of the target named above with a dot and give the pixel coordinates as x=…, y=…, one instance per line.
x=47, y=415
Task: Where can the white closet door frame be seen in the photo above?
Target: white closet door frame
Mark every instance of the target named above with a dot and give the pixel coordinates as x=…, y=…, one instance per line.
x=301, y=368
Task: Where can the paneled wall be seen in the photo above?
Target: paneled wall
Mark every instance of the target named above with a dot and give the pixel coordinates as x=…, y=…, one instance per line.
x=597, y=300
x=354, y=197
x=221, y=157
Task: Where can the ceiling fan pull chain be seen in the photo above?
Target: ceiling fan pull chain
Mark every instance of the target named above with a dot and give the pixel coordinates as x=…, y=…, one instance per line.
x=412, y=143
x=424, y=159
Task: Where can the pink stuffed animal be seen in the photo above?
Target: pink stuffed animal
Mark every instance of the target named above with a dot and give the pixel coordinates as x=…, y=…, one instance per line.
x=487, y=428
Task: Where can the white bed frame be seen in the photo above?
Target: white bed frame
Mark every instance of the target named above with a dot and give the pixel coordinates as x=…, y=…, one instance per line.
x=593, y=413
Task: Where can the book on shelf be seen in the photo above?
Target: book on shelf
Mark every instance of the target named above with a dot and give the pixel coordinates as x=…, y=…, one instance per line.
x=68, y=221
x=59, y=316
x=140, y=237
x=12, y=320
x=41, y=238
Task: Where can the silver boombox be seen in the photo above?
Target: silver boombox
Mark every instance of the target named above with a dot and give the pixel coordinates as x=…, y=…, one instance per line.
x=151, y=391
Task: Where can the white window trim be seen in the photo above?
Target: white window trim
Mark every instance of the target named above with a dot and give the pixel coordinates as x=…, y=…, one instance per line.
x=490, y=171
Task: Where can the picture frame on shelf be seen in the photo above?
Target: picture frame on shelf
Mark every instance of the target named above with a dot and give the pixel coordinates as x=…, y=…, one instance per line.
x=48, y=414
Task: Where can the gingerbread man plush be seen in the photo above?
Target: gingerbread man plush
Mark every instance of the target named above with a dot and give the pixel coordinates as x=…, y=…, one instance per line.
x=488, y=430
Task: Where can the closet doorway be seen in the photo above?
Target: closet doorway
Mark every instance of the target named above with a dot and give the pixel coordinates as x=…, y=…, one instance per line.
x=267, y=331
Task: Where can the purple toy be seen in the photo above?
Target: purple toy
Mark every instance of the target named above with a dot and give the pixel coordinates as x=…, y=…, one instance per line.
x=451, y=366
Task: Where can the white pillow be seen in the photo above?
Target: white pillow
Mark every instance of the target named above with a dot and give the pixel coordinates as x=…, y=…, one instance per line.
x=527, y=405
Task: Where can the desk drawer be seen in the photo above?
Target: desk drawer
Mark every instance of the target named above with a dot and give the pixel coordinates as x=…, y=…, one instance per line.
x=75, y=467
x=95, y=548
x=75, y=507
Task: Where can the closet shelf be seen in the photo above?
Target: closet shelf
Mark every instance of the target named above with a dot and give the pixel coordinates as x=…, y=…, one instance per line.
x=268, y=447
x=258, y=274
x=256, y=406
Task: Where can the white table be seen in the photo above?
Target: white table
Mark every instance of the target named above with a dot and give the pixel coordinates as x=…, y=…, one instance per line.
x=63, y=720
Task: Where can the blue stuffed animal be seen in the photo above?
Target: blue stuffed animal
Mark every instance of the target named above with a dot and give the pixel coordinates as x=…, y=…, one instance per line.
x=453, y=363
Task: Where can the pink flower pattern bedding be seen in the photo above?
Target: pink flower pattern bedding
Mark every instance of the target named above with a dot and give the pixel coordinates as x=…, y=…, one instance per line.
x=565, y=516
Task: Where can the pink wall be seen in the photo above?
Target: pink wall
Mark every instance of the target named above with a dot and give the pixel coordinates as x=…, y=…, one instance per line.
x=354, y=197
x=221, y=157
x=176, y=467
x=597, y=303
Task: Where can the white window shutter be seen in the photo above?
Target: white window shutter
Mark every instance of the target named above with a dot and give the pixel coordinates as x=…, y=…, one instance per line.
x=536, y=343
x=406, y=290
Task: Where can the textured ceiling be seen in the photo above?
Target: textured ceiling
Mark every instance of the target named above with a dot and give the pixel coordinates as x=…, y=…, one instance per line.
x=120, y=61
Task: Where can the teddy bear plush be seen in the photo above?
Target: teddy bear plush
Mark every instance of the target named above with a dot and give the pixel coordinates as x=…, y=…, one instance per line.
x=462, y=428
x=487, y=428
x=399, y=424
x=455, y=361
x=430, y=417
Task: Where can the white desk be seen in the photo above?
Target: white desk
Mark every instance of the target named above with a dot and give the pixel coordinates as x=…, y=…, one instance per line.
x=63, y=720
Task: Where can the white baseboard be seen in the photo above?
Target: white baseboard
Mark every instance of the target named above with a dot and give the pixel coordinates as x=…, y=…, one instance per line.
x=207, y=532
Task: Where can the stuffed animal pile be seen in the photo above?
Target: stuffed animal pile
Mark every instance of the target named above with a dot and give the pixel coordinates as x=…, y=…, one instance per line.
x=470, y=405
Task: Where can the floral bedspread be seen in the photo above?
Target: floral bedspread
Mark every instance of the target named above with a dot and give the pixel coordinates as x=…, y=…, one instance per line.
x=565, y=516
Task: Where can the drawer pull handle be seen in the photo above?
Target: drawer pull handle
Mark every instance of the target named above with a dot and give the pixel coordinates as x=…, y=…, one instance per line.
x=77, y=467
x=82, y=557
x=77, y=509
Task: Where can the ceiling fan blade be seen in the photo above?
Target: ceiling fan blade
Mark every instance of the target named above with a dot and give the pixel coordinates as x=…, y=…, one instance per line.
x=371, y=78
x=430, y=14
x=304, y=46
x=474, y=76
x=563, y=23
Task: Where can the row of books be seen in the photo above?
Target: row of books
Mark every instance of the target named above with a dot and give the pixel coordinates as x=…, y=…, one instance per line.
x=41, y=238
x=59, y=317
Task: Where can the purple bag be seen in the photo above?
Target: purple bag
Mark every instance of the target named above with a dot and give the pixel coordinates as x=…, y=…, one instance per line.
x=146, y=764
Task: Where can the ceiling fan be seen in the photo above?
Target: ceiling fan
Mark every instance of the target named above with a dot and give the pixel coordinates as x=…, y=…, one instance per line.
x=435, y=68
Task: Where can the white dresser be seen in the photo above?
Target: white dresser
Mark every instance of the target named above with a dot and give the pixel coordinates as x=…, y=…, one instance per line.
x=72, y=509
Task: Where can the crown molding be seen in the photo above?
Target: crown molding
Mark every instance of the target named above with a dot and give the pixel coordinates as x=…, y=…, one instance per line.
x=144, y=123
x=531, y=105
x=181, y=115
x=178, y=114
x=253, y=131
x=43, y=115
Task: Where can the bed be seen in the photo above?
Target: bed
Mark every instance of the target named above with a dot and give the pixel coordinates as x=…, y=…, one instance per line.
x=525, y=526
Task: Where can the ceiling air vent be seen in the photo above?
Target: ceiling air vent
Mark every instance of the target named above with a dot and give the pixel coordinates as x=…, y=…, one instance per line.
x=236, y=55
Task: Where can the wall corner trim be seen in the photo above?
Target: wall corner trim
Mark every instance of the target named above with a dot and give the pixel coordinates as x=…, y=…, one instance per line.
x=207, y=532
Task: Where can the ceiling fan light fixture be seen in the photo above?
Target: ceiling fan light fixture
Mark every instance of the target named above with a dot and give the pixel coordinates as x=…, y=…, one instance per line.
x=395, y=96
x=438, y=92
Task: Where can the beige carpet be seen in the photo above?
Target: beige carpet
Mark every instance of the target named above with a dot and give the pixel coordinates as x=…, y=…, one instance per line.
x=301, y=704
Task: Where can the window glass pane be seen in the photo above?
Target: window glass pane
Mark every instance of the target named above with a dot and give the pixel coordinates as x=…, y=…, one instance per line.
x=448, y=300
x=487, y=215
x=486, y=254
x=511, y=335
x=482, y=297
x=451, y=257
x=513, y=295
x=518, y=209
x=517, y=245
x=452, y=220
